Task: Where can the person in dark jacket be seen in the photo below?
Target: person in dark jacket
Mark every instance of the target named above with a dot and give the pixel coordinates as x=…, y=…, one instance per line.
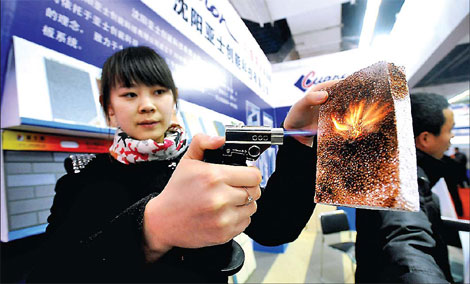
x=451, y=176
x=152, y=210
x=461, y=160
x=410, y=247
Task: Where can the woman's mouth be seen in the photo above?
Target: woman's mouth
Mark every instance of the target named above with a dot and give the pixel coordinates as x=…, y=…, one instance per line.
x=148, y=123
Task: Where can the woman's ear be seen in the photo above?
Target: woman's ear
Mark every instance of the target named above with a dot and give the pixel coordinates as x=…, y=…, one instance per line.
x=112, y=117
x=101, y=100
x=110, y=114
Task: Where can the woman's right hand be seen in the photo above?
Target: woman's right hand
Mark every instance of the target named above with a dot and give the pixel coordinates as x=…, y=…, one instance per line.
x=202, y=205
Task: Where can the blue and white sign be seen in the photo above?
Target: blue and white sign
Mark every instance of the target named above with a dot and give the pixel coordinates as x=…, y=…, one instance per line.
x=291, y=80
x=215, y=61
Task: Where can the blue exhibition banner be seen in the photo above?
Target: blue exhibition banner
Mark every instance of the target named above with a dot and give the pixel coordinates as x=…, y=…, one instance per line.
x=92, y=30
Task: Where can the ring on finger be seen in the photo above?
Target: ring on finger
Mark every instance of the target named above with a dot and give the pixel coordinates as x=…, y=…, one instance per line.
x=249, y=198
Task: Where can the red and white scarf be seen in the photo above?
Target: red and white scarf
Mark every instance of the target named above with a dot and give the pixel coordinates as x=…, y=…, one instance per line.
x=128, y=150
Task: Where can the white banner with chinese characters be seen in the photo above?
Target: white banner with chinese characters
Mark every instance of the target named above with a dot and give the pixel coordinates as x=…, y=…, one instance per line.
x=216, y=27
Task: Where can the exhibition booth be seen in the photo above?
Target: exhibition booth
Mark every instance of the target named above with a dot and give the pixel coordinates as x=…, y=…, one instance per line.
x=51, y=60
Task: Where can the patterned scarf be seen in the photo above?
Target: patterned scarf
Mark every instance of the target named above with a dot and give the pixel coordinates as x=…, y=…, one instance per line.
x=129, y=150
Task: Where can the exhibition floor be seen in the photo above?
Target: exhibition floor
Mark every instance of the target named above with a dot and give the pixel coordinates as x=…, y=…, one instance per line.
x=301, y=262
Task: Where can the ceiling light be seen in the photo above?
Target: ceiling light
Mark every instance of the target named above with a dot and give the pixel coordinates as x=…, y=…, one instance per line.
x=463, y=97
x=368, y=25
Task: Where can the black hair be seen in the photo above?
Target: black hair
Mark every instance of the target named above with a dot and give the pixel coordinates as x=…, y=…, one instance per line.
x=427, y=112
x=135, y=65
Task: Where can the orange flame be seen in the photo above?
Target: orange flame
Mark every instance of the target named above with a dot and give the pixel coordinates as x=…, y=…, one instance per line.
x=359, y=122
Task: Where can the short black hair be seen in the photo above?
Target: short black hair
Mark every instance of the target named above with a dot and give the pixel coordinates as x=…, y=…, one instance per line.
x=139, y=65
x=427, y=112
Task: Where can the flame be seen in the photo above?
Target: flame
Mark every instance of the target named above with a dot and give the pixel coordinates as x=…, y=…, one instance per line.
x=358, y=121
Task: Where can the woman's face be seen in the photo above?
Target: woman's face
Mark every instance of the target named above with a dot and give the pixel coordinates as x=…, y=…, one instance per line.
x=141, y=111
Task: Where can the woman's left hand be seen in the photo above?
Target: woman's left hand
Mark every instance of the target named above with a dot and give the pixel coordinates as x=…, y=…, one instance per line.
x=303, y=115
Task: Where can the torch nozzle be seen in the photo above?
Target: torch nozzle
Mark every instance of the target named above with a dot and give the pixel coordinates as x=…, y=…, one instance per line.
x=299, y=133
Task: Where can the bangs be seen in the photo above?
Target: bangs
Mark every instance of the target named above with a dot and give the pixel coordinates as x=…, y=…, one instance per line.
x=141, y=66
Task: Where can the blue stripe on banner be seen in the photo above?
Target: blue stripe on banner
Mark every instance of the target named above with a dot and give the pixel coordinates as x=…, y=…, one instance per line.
x=18, y=234
x=62, y=125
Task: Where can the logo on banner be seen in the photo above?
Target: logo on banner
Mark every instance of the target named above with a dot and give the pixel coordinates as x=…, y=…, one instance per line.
x=215, y=13
x=306, y=81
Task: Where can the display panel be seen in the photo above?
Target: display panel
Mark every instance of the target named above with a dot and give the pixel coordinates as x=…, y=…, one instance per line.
x=70, y=93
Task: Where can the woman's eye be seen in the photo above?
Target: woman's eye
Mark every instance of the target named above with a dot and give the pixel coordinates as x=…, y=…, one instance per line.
x=130, y=95
x=160, y=91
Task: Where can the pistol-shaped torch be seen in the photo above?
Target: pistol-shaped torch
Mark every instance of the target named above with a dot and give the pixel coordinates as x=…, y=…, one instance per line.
x=244, y=143
x=247, y=143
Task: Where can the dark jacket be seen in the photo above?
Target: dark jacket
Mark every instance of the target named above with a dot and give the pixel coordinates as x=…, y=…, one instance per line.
x=405, y=247
x=95, y=226
x=452, y=178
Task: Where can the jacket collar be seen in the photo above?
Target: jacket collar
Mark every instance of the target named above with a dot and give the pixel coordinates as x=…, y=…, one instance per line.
x=433, y=167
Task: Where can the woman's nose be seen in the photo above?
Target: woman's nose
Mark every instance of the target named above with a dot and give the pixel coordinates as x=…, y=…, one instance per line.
x=146, y=105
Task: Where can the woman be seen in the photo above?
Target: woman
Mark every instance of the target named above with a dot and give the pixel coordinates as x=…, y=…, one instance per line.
x=150, y=209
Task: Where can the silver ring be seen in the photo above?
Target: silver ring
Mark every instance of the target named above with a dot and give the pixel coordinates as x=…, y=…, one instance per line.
x=249, y=199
